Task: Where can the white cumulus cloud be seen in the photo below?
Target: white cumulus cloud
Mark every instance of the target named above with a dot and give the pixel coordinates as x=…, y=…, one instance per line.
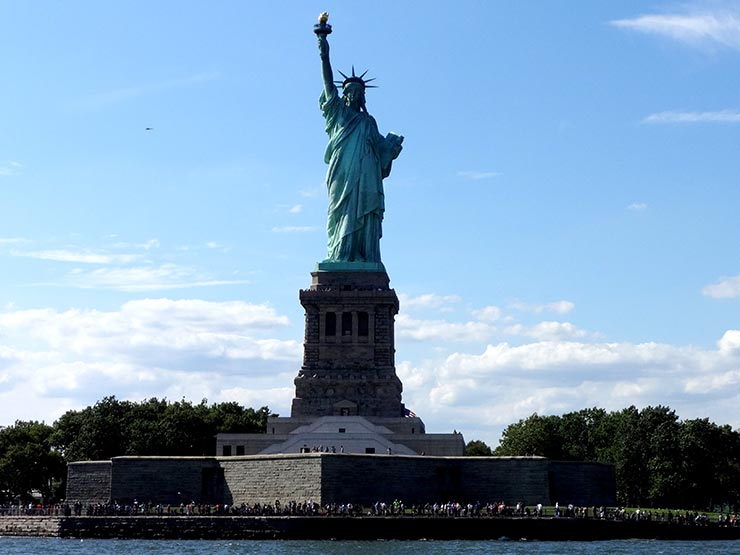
x=485, y=391
x=725, y=288
x=52, y=360
x=729, y=345
x=549, y=331
x=441, y=330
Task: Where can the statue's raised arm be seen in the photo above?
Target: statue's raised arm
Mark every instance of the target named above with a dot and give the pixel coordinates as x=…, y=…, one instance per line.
x=322, y=29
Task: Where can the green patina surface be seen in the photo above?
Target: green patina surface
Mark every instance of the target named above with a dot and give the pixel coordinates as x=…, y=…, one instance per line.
x=340, y=266
x=359, y=158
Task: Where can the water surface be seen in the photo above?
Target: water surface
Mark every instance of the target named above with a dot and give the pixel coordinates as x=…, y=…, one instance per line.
x=54, y=546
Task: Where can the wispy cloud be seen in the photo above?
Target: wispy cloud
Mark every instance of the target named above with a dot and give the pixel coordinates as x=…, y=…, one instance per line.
x=82, y=256
x=701, y=29
x=11, y=240
x=210, y=245
x=103, y=99
x=147, y=245
x=312, y=191
x=637, y=207
x=476, y=175
x=296, y=209
x=428, y=301
x=124, y=266
x=489, y=313
x=722, y=116
x=725, y=288
x=161, y=278
x=558, y=307
x=294, y=229
x=9, y=168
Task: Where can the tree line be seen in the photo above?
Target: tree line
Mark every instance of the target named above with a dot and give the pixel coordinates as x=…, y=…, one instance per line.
x=659, y=460
x=34, y=455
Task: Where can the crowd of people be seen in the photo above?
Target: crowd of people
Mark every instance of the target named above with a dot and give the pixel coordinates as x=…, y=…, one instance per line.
x=396, y=508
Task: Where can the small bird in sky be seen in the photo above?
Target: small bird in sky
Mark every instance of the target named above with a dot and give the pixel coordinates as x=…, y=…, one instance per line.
x=148, y=128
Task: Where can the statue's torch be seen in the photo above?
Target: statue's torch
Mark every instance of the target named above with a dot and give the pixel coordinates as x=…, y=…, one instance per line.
x=322, y=27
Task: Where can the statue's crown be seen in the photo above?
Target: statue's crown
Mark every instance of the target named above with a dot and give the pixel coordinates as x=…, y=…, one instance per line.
x=356, y=79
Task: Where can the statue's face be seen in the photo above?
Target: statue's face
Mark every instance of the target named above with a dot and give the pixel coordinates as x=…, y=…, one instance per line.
x=354, y=95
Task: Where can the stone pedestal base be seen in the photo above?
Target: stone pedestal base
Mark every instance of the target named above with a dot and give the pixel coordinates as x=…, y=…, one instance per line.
x=349, y=353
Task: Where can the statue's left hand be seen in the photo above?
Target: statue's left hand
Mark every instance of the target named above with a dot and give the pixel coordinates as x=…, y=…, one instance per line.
x=394, y=142
x=396, y=150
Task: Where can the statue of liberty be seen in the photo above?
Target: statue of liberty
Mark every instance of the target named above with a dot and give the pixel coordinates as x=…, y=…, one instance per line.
x=359, y=158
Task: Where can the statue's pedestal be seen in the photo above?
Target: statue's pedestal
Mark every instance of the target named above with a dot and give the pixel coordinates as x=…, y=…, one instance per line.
x=347, y=393
x=349, y=352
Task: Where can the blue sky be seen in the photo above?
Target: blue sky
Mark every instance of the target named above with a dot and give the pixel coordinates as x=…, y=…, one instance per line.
x=562, y=225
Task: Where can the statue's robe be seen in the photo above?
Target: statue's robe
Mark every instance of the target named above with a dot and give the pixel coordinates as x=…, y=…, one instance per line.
x=359, y=157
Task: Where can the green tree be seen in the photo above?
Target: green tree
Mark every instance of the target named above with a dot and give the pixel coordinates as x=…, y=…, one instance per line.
x=660, y=428
x=477, y=448
x=28, y=463
x=95, y=433
x=658, y=460
x=113, y=428
x=583, y=434
x=537, y=435
x=709, y=464
x=643, y=453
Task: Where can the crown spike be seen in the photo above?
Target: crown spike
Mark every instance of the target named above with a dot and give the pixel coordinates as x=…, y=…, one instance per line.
x=354, y=78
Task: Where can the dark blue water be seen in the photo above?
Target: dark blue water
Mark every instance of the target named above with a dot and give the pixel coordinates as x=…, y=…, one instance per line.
x=43, y=546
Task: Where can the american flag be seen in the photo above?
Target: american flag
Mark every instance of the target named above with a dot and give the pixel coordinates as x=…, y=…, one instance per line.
x=409, y=413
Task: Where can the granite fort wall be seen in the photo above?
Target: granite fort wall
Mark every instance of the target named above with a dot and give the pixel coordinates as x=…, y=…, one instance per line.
x=89, y=481
x=265, y=478
x=172, y=480
x=367, y=479
x=340, y=478
x=437, y=445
